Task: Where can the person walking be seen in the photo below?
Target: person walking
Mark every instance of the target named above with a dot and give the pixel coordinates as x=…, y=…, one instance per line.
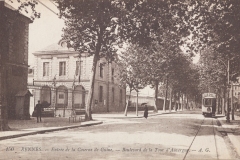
x=38, y=109
x=146, y=111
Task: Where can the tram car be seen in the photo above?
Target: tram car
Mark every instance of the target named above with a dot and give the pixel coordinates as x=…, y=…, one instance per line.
x=208, y=104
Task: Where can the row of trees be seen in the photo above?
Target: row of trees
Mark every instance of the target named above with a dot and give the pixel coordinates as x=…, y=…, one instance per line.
x=216, y=36
x=98, y=26
x=163, y=66
x=158, y=28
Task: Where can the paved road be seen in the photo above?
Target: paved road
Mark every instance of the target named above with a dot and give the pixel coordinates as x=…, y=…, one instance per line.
x=170, y=136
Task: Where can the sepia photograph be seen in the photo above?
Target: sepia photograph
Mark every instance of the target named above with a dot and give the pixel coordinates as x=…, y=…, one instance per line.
x=119, y=79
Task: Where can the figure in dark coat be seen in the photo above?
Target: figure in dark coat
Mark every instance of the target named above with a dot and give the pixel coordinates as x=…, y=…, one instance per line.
x=146, y=111
x=38, y=109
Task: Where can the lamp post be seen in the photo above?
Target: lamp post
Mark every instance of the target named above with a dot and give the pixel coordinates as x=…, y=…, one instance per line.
x=232, y=101
x=54, y=94
x=228, y=110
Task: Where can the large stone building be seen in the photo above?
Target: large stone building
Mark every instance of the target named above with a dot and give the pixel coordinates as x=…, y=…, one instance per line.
x=14, y=29
x=62, y=81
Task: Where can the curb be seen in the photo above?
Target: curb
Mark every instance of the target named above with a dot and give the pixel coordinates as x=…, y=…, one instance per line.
x=232, y=138
x=48, y=130
x=149, y=115
x=74, y=126
x=234, y=141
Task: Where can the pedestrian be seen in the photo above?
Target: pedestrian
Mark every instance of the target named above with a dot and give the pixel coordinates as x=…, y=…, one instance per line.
x=38, y=109
x=146, y=111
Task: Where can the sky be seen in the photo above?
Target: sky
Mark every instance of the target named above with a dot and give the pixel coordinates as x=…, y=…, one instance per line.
x=47, y=29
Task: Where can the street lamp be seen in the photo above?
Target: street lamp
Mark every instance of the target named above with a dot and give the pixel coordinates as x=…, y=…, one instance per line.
x=54, y=82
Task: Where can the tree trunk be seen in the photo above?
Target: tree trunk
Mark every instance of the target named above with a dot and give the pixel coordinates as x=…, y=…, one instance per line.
x=88, y=114
x=108, y=88
x=125, y=113
x=223, y=106
x=175, y=105
x=165, y=99
x=232, y=108
x=175, y=102
x=179, y=101
x=155, y=97
x=217, y=103
x=170, y=101
x=137, y=105
x=187, y=105
x=182, y=103
x=224, y=101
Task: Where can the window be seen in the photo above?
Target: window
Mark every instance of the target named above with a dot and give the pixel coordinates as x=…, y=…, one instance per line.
x=79, y=68
x=30, y=71
x=101, y=70
x=45, y=69
x=62, y=68
x=113, y=74
x=208, y=101
x=61, y=96
x=113, y=95
x=100, y=93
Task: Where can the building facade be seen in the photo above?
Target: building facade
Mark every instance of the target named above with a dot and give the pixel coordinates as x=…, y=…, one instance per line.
x=62, y=81
x=14, y=28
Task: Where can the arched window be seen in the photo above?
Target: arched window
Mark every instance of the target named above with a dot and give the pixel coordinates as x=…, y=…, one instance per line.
x=79, y=97
x=45, y=96
x=62, y=97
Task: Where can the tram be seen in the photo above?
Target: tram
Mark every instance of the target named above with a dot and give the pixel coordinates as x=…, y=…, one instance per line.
x=208, y=104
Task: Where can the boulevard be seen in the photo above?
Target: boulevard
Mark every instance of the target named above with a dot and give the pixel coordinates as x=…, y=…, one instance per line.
x=181, y=135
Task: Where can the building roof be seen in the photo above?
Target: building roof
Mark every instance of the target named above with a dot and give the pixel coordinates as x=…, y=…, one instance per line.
x=10, y=8
x=56, y=48
x=23, y=93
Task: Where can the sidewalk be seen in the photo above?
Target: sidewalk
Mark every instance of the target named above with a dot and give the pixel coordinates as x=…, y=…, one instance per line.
x=232, y=129
x=21, y=128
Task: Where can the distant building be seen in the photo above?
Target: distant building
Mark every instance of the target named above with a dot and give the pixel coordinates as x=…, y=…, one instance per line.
x=236, y=94
x=62, y=81
x=14, y=29
x=146, y=95
x=30, y=75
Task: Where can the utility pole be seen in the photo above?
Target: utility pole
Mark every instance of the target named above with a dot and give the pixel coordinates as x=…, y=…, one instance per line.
x=54, y=94
x=232, y=108
x=108, y=77
x=137, y=104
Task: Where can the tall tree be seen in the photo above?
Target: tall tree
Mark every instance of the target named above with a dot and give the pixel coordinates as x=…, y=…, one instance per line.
x=96, y=26
x=91, y=27
x=130, y=72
